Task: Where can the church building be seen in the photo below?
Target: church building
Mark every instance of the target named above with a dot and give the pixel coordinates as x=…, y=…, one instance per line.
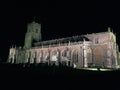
x=82, y=51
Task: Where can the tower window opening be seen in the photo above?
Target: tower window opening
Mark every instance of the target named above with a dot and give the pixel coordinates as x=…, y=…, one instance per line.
x=36, y=31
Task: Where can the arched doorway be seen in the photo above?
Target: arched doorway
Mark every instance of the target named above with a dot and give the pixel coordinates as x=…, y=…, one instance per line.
x=98, y=56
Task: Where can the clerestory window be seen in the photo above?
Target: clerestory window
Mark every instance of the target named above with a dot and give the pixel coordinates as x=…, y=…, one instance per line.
x=96, y=40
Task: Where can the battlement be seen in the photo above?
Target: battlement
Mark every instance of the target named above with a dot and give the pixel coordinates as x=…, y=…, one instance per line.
x=70, y=39
x=62, y=40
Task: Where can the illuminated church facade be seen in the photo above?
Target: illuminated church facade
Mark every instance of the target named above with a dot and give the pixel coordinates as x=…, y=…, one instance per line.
x=90, y=50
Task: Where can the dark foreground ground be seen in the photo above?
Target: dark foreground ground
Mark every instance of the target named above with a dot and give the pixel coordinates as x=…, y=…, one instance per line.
x=43, y=76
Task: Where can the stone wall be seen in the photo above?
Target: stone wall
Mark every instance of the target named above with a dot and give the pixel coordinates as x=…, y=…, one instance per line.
x=99, y=51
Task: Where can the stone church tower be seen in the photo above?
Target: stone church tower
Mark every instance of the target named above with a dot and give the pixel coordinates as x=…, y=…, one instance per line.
x=33, y=34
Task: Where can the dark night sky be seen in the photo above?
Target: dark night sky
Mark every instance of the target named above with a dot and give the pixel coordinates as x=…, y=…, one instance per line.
x=58, y=19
